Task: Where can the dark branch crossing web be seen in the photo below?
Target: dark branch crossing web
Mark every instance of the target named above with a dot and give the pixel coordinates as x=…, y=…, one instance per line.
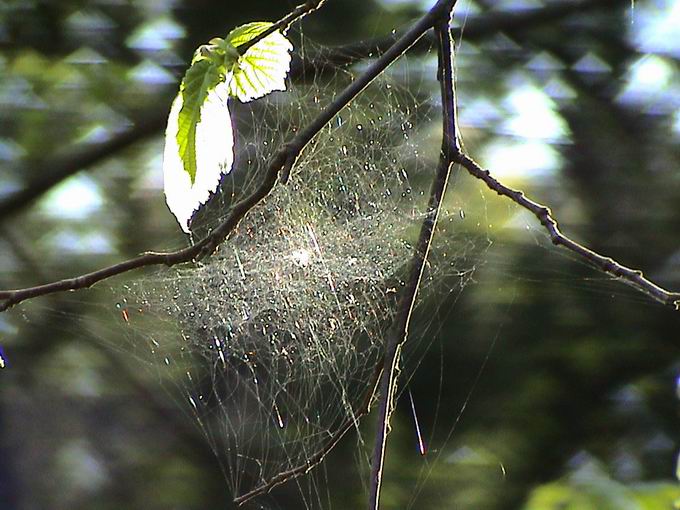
x=274, y=341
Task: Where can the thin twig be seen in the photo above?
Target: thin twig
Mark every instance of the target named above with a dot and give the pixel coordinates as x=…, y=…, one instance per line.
x=317, y=458
x=282, y=162
x=295, y=15
x=398, y=333
x=633, y=277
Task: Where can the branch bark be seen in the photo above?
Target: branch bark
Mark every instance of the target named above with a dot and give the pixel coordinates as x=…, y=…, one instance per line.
x=399, y=331
x=633, y=277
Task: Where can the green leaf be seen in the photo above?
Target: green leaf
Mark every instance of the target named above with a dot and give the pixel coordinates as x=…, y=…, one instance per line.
x=199, y=80
x=199, y=131
x=263, y=67
x=214, y=140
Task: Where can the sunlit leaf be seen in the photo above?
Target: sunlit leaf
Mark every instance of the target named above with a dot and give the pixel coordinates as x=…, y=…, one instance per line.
x=214, y=141
x=263, y=67
x=198, y=81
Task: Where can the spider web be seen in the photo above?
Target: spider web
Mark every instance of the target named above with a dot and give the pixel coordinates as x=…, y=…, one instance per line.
x=262, y=344
x=273, y=342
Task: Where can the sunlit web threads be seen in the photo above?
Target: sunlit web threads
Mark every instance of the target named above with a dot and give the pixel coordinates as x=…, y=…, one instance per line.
x=282, y=328
x=422, y=447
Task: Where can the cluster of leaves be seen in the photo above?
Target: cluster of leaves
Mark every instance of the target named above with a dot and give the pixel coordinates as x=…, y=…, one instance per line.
x=199, y=139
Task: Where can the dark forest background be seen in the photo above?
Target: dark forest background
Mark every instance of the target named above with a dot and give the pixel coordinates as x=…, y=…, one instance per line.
x=574, y=378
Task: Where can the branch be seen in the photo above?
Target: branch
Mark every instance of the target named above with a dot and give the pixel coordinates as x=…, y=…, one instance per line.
x=63, y=168
x=317, y=458
x=282, y=162
x=398, y=333
x=633, y=277
x=295, y=15
x=474, y=29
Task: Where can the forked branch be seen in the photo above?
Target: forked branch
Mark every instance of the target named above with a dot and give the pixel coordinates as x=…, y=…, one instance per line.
x=476, y=29
x=399, y=330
